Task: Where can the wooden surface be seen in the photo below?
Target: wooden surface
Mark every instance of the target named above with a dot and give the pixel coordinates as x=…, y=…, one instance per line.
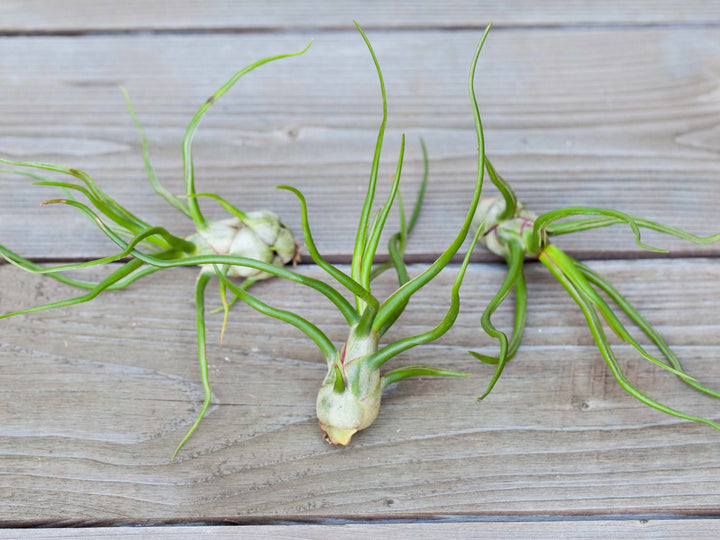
x=105, y=15
x=590, y=529
x=612, y=106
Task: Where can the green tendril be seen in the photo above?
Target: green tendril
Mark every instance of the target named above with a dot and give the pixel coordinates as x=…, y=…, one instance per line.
x=400, y=297
x=171, y=241
x=398, y=241
x=188, y=166
x=602, y=343
x=554, y=229
x=405, y=372
x=97, y=197
x=65, y=267
x=302, y=324
x=515, y=261
x=420, y=196
x=374, y=236
x=225, y=204
x=331, y=294
x=154, y=182
x=113, y=278
x=97, y=203
x=200, y=287
x=341, y=277
x=520, y=314
x=362, y=231
x=567, y=266
x=41, y=178
x=506, y=191
x=605, y=286
x=389, y=351
x=542, y=222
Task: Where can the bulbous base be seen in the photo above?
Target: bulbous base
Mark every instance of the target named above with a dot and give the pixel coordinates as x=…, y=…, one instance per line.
x=342, y=414
x=349, y=398
x=494, y=233
x=261, y=236
x=337, y=436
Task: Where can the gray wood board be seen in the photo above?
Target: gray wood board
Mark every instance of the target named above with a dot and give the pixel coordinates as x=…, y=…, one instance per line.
x=105, y=15
x=623, y=118
x=95, y=397
x=571, y=529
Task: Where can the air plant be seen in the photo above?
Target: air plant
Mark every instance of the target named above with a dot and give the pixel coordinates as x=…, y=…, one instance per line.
x=350, y=394
x=248, y=245
x=509, y=229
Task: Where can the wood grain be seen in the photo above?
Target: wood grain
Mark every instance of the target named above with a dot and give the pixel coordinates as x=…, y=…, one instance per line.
x=656, y=528
x=95, y=397
x=623, y=118
x=611, y=104
x=105, y=15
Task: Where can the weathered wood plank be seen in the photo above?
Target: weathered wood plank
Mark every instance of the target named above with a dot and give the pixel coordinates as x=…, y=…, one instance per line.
x=95, y=397
x=105, y=15
x=662, y=528
x=621, y=118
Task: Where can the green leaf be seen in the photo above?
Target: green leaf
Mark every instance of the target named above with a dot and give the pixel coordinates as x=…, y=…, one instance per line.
x=154, y=182
x=95, y=195
x=642, y=323
x=378, y=358
x=420, y=196
x=188, y=166
x=360, y=239
x=593, y=223
x=225, y=204
x=505, y=190
x=566, y=264
x=404, y=372
x=492, y=360
x=398, y=241
x=341, y=277
x=399, y=298
x=147, y=233
x=118, y=274
x=602, y=343
x=515, y=261
x=200, y=287
x=65, y=267
x=302, y=324
x=379, y=224
x=542, y=222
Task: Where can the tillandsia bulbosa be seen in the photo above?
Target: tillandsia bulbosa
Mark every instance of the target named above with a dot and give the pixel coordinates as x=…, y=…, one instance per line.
x=349, y=397
x=250, y=245
x=512, y=231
